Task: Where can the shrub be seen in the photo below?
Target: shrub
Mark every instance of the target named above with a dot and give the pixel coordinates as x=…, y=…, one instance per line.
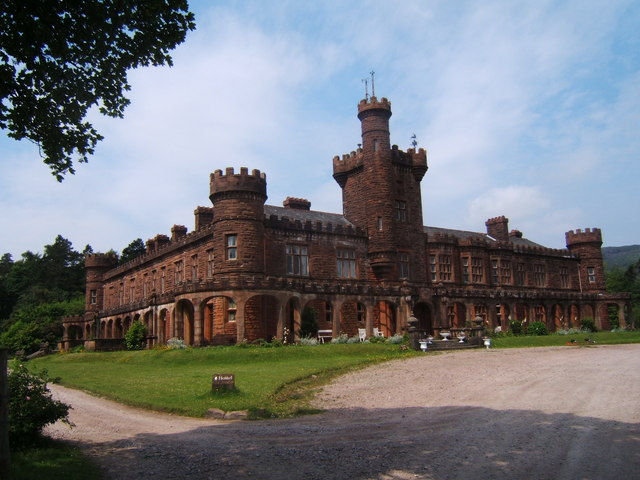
x=342, y=338
x=588, y=324
x=376, y=339
x=515, y=326
x=135, y=338
x=178, y=344
x=397, y=339
x=537, y=328
x=31, y=407
x=308, y=341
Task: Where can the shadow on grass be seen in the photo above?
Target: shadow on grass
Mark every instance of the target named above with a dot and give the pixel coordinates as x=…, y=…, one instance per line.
x=355, y=443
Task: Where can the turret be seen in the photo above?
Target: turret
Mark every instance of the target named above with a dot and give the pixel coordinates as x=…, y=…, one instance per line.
x=95, y=266
x=381, y=194
x=238, y=220
x=586, y=245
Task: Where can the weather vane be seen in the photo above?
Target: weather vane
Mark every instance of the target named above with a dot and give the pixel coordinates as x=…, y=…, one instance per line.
x=414, y=140
x=373, y=87
x=366, y=88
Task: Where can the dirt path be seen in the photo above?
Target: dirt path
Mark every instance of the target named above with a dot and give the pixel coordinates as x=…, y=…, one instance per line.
x=561, y=413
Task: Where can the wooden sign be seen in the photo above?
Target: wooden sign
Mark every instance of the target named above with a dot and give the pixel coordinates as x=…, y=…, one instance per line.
x=223, y=381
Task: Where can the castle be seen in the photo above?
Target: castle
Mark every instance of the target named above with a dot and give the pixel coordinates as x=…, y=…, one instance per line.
x=248, y=270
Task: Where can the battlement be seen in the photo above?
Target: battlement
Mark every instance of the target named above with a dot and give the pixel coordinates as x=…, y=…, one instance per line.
x=177, y=232
x=286, y=223
x=371, y=104
x=100, y=260
x=348, y=162
x=589, y=235
x=203, y=216
x=443, y=238
x=220, y=183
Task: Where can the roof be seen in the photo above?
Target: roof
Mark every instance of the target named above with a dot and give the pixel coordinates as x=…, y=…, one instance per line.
x=465, y=234
x=303, y=216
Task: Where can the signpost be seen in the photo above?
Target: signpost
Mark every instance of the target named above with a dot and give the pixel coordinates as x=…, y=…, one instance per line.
x=223, y=382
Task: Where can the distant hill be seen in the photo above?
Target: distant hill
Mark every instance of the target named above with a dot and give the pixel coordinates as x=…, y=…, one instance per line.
x=620, y=257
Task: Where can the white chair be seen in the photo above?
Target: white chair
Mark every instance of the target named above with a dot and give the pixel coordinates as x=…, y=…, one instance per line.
x=377, y=332
x=362, y=333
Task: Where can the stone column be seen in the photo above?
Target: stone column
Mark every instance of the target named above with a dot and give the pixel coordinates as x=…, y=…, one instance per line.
x=368, y=321
x=197, y=322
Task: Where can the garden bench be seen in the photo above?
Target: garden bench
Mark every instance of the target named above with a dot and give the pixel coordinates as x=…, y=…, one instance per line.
x=325, y=335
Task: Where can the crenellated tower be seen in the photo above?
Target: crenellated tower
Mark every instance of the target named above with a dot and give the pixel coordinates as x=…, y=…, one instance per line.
x=95, y=266
x=381, y=194
x=586, y=245
x=238, y=220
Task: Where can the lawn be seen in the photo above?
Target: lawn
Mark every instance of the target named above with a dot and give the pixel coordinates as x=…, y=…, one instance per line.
x=558, y=340
x=269, y=381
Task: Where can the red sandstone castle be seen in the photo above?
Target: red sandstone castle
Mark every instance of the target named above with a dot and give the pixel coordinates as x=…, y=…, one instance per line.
x=248, y=270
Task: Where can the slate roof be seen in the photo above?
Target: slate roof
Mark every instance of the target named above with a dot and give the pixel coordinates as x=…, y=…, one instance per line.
x=312, y=216
x=465, y=234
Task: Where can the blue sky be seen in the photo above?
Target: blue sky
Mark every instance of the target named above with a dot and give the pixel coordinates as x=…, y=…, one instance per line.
x=527, y=109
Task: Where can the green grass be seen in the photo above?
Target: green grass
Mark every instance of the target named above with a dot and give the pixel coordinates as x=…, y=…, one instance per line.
x=558, y=340
x=52, y=459
x=269, y=381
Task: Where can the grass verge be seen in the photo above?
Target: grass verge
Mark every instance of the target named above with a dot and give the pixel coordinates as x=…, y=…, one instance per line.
x=270, y=382
x=52, y=459
x=553, y=340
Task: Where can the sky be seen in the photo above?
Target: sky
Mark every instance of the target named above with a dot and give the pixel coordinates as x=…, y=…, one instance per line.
x=527, y=109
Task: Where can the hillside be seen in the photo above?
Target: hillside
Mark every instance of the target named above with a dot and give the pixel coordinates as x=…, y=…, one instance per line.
x=620, y=257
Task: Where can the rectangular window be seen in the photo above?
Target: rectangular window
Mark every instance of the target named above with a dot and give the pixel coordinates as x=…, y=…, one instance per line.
x=434, y=267
x=564, y=277
x=93, y=297
x=153, y=280
x=132, y=290
x=179, y=271
x=210, y=264
x=379, y=224
x=591, y=274
x=401, y=211
x=346, y=263
x=163, y=283
x=444, y=268
x=403, y=265
x=477, y=272
x=145, y=285
x=297, y=260
x=521, y=274
x=232, y=247
x=194, y=268
x=505, y=272
x=465, y=269
x=539, y=275
x=231, y=310
x=495, y=273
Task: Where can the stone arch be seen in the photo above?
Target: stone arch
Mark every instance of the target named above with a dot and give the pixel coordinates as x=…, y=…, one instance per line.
x=148, y=323
x=261, y=318
x=384, y=318
x=520, y=312
x=183, y=315
x=87, y=329
x=74, y=332
x=587, y=312
x=574, y=316
x=423, y=312
x=219, y=324
x=103, y=329
x=126, y=324
x=324, y=311
x=539, y=313
x=118, y=329
x=559, y=321
x=109, y=329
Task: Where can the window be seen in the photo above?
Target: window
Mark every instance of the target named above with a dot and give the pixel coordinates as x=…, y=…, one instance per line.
x=379, y=224
x=539, y=275
x=328, y=313
x=361, y=314
x=444, y=267
x=401, y=211
x=477, y=274
x=145, y=285
x=153, y=280
x=121, y=294
x=297, y=260
x=346, y=263
x=434, y=267
x=591, y=274
x=232, y=308
x=495, y=275
x=94, y=297
x=505, y=272
x=163, y=272
x=232, y=247
x=521, y=274
x=465, y=269
x=179, y=271
x=132, y=290
x=210, y=263
x=194, y=268
x=403, y=265
x=564, y=277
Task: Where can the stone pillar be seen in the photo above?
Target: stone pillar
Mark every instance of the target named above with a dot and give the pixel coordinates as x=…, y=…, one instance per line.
x=197, y=323
x=335, y=317
x=368, y=323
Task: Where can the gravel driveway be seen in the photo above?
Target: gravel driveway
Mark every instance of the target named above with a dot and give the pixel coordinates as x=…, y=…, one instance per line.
x=537, y=413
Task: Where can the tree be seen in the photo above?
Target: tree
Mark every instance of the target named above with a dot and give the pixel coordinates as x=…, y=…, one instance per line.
x=133, y=250
x=58, y=59
x=136, y=336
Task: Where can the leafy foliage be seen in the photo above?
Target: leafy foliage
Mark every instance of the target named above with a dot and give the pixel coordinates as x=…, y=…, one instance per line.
x=133, y=250
x=628, y=280
x=537, y=328
x=516, y=327
x=135, y=338
x=58, y=59
x=588, y=324
x=31, y=407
